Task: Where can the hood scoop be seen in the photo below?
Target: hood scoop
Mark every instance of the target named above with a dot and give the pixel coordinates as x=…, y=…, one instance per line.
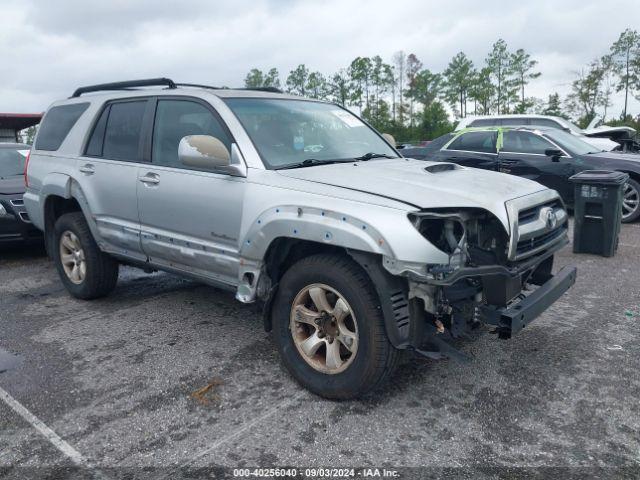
x=441, y=167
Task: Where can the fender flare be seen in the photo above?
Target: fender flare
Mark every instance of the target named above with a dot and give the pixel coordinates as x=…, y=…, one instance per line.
x=313, y=224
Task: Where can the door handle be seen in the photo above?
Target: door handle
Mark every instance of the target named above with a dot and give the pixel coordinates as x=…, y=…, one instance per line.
x=508, y=162
x=150, y=179
x=87, y=169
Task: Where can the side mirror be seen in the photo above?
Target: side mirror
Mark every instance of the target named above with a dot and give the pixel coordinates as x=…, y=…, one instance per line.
x=203, y=151
x=389, y=138
x=554, y=153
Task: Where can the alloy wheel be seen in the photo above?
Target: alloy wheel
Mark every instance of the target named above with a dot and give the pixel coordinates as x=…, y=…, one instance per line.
x=630, y=200
x=72, y=257
x=324, y=328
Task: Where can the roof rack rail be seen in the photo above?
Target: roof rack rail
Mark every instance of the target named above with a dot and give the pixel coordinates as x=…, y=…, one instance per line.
x=149, y=82
x=263, y=89
x=199, y=85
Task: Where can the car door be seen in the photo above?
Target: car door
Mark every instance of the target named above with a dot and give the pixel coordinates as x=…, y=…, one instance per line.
x=108, y=174
x=472, y=149
x=523, y=154
x=190, y=219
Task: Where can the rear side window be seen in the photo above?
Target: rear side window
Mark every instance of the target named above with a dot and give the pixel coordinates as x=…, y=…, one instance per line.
x=483, y=142
x=56, y=125
x=514, y=122
x=117, y=133
x=545, y=122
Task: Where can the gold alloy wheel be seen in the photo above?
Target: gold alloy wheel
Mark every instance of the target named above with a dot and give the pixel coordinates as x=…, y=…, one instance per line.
x=72, y=257
x=324, y=328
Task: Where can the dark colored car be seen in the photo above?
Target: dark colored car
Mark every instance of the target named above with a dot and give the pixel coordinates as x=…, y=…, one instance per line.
x=546, y=155
x=15, y=225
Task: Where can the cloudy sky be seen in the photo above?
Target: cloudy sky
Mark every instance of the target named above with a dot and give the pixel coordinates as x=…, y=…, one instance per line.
x=50, y=47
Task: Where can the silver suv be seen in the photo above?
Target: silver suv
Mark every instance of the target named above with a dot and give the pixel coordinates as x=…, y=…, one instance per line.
x=355, y=253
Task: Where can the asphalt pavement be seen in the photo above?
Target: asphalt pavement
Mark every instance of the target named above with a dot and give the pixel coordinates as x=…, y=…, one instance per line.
x=173, y=379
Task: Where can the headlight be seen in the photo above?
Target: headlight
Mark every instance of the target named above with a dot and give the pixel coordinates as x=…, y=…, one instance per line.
x=446, y=231
x=3, y=211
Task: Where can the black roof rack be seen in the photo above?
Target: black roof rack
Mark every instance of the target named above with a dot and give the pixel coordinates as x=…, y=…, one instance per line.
x=263, y=89
x=149, y=82
x=199, y=85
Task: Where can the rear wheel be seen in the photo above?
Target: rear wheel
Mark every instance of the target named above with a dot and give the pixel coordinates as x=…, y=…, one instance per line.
x=329, y=328
x=84, y=269
x=631, y=201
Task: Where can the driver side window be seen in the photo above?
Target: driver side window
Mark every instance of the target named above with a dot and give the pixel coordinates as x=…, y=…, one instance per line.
x=176, y=119
x=524, y=142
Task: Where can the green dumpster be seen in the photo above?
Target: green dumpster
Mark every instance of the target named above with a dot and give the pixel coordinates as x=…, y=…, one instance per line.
x=597, y=211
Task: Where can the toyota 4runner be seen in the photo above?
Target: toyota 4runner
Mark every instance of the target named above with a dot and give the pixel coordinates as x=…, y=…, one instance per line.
x=354, y=252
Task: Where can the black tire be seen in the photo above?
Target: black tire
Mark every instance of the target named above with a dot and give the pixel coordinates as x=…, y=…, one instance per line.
x=636, y=214
x=101, y=269
x=375, y=359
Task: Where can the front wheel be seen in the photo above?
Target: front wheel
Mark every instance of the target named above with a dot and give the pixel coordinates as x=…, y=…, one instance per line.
x=329, y=328
x=630, y=201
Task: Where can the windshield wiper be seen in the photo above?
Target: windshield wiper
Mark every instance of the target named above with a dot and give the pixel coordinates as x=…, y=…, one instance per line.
x=370, y=155
x=312, y=162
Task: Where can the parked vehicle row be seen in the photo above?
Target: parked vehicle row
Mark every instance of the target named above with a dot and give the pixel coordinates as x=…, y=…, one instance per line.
x=546, y=155
x=355, y=252
x=602, y=137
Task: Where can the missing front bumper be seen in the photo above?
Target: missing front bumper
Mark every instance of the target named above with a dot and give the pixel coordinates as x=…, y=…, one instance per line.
x=510, y=320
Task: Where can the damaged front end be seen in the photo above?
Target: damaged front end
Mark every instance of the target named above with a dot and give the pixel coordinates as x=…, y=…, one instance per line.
x=491, y=277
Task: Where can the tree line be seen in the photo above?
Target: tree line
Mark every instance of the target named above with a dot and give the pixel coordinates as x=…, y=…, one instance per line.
x=405, y=98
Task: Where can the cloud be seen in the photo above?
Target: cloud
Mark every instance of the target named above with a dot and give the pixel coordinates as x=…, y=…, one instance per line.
x=50, y=48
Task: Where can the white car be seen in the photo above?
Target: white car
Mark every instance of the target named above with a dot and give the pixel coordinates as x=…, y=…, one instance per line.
x=592, y=136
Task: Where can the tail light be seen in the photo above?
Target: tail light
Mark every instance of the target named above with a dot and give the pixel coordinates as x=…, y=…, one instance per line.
x=26, y=168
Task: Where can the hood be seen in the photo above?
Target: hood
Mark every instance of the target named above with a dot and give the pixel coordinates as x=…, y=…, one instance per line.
x=634, y=158
x=443, y=185
x=13, y=184
x=600, y=143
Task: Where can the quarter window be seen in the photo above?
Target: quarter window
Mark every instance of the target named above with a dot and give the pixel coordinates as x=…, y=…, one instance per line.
x=524, y=142
x=475, y=142
x=176, y=119
x=57, y=124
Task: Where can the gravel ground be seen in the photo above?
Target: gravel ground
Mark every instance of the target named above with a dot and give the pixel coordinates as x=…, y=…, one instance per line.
x=114, y=378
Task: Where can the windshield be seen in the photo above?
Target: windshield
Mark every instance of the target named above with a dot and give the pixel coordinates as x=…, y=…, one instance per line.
x=288, y=132
x=571, y=143
x=12, y=161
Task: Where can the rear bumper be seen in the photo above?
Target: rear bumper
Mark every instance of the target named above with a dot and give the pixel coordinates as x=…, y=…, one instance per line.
x=513, y=318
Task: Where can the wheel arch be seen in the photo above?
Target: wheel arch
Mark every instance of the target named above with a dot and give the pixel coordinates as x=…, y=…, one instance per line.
x=60, y=199
x=392, y=292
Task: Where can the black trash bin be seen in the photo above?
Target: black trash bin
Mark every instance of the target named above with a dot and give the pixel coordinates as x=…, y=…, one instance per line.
x=598, y=211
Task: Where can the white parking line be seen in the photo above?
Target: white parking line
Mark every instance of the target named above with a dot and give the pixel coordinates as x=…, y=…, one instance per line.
x=244, y=428
x=75, y=456
x=628, y=245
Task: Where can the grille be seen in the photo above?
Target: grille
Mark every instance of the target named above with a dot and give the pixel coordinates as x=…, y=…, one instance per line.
x=532, y=213
x=534, y=232
x=534, y=244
